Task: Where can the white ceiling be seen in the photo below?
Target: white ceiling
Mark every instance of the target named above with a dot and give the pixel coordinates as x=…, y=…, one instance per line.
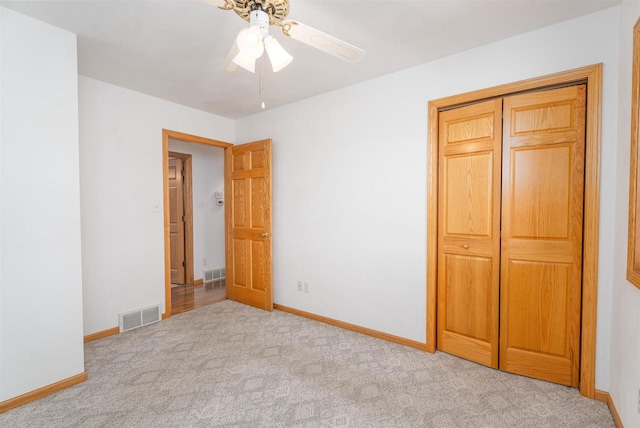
x=175, y=49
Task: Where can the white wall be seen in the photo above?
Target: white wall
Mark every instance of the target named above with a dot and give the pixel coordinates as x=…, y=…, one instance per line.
x=625, y=332
x=121, y=195
x=349, y=181
x=208, y=217
x=40, y=280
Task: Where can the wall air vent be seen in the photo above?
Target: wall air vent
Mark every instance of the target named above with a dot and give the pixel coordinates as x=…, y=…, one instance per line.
x=139, y=318
x=213, y=275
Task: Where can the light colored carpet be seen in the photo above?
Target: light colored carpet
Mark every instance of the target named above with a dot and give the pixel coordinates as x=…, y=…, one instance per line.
x=231, y=365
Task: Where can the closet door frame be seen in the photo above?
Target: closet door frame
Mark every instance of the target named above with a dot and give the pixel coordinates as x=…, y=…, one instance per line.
x=592, y=77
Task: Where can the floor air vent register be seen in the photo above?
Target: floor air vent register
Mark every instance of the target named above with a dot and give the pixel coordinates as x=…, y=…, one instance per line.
x=213, y=275
x=139, y=318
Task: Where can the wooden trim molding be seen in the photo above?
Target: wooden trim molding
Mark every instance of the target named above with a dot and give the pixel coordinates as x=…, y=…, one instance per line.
x=101, y=334
x=591, y=231
x=198, y=282
x=175, y=135
x=605, y=397
x=42, y=392
x=188, y=214
x=432, y=227
x=348, y=326
x=633, y=249
x=189, y=138
x=592, y=76
x=167, y=227
x=228, y=215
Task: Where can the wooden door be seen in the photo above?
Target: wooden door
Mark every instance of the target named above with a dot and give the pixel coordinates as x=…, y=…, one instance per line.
x=249, y=224
x=176, y=221
x=543, y=182
x=469, y=231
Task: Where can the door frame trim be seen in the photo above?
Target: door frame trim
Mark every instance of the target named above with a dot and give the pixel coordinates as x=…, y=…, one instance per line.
x=592, y=76
x=187, y=203
x=188, y=138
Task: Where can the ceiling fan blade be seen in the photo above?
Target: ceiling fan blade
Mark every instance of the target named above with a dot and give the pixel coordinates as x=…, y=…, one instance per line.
x=323, y=41
x=222, y=4
x=229, y=65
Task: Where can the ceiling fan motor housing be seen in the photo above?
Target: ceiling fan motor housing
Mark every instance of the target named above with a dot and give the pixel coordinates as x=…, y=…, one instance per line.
x=276, y=10
x=259, y=18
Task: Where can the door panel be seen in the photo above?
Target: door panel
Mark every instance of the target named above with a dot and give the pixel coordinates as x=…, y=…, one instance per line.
x=540, y=201
x=238, y=202
x=540, y=309
x=469, y=231
x=249, y=251
x=466, y=277
x=259, y=205
x=259, y=253
x=469, y=215
x=542, y=118
x=239, y=266
x=176, y=222
x=541, y=274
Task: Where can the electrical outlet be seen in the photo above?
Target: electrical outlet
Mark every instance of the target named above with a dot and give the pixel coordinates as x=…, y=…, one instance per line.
x=306, y=287
x=299, y=285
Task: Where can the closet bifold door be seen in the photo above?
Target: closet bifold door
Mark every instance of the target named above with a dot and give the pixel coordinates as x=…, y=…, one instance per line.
x=469, y=231
x=542, y=217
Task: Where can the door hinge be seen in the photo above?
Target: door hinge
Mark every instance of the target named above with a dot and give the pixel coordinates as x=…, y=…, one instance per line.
x=184, y=218
x=183, y=173
x=183, y=264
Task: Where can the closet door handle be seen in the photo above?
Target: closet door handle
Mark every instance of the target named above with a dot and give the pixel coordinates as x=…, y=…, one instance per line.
x=265, y=235
x=465, y=246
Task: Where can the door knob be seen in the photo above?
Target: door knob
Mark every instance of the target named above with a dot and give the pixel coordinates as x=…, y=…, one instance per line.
x=465, y=246
x=265, y=235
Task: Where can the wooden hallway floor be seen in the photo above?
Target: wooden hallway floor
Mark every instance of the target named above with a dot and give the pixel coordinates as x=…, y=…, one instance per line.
x=187, y=297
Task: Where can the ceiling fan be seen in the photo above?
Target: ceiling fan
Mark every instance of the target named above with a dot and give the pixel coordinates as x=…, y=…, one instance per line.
x=251, y=42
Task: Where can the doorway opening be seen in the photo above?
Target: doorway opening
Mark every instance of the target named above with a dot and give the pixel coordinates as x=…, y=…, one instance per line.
x=592, y=77
x=201, y=283
x=195, y=221
x=245, y=204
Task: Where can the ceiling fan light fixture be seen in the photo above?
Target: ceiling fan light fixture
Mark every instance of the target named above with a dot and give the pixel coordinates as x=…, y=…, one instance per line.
x=229, y=65
x=279, y=57
x=247, y=63
x=249, y=42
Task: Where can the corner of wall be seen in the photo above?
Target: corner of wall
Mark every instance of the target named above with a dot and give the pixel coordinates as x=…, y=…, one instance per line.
x=624, y=351
x=1, y=26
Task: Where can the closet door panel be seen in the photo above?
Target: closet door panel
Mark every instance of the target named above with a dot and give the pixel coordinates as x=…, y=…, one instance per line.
x=469, y=231
x=469, y=213
x=541, y=200
x=542, y=210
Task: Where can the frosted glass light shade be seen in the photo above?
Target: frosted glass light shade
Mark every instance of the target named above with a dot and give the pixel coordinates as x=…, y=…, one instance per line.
x=248, y=64
x=277, y=55
x=249, y=42
x=229, y=65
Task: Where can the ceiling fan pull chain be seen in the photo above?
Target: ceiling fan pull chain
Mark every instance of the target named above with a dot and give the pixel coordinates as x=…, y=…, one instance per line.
x=261, y=82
